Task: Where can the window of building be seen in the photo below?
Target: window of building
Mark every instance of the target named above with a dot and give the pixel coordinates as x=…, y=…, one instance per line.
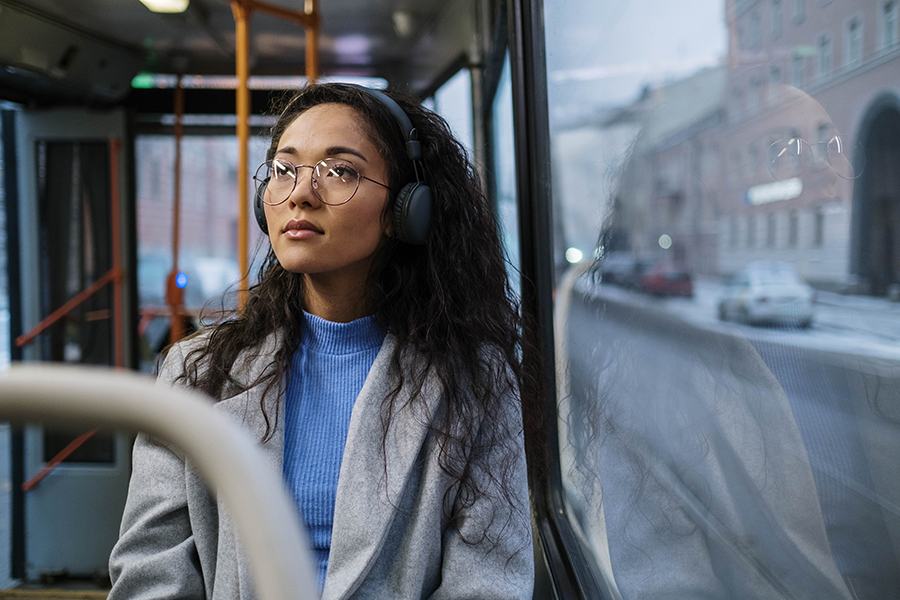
x=799, y=11
x=793, y=227
x=798, y=67
x=737, y=103
x=755, y=31
x=777, y=18
x=823, y=135
x=733, y=232
x=819, y=228
x=770, y=230
x=889, y=17
x=734, y=172
x=753, y=96
x=853, y=42
x=774, y=81
x=752, y=166
x=751, y=232
x=826, y=55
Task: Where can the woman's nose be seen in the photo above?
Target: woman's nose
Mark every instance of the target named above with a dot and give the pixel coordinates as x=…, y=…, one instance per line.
x=303, y=194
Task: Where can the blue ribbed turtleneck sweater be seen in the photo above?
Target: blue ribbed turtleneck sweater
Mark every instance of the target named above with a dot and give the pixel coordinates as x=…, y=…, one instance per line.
x=327, y=373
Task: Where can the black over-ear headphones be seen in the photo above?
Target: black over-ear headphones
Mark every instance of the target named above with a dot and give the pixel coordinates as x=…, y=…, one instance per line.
x=412, y=207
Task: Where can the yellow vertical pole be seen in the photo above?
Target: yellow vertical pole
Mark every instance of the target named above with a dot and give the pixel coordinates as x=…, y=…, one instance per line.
x=312, y=45
x=242, y=15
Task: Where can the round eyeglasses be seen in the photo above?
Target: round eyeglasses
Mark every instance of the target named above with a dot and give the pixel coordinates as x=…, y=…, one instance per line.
x=334, y=181
x=788, y=158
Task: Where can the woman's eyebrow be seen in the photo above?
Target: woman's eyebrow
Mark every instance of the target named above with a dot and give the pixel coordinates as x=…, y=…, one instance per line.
x=345, y=150
x=332, y=151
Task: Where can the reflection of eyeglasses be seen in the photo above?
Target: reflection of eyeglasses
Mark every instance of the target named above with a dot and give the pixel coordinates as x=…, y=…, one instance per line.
x=787, y=158
x=334, y=180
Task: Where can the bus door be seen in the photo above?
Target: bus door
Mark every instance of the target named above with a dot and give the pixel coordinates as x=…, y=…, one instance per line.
x=67, y=162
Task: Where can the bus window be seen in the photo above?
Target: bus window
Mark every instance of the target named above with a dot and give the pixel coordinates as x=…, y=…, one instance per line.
x=4, y=283
x=453, y=101
x=208, y=242
x=727, y=327
x=503, y=172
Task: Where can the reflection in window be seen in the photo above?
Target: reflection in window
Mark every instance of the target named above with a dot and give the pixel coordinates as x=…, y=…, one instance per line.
x=733, y=438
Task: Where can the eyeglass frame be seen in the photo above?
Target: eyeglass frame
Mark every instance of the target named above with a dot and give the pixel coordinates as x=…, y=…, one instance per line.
x=359, y=177
x=824, y=155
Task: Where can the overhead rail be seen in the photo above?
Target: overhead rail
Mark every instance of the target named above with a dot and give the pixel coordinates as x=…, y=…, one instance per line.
x=243, y=11
x=231, y=464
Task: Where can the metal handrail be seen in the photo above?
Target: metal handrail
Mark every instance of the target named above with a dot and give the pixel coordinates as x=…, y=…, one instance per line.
x=224, y=455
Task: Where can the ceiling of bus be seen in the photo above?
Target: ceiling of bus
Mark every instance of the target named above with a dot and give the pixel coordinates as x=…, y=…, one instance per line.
x=399, y=40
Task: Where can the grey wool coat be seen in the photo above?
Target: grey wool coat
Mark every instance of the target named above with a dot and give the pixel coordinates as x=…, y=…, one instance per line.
x=390, y=537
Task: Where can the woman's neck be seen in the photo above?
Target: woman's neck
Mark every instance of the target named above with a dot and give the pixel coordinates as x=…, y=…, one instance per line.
x=338, y=304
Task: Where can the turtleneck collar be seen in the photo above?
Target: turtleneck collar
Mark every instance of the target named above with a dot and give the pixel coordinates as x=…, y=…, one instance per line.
x=333, y=338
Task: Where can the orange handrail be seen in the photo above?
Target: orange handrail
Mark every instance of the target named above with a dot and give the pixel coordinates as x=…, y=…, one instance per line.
x=112, y=275
x=54, y=462
x=243, y=12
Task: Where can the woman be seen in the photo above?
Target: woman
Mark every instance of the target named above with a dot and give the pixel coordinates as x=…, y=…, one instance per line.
x=377, y=362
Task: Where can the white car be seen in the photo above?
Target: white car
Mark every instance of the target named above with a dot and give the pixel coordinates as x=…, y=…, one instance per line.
x=768, y=293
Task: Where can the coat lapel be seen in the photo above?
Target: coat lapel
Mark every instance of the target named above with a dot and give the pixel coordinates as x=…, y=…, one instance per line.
x=245, y=409
x=366, y=498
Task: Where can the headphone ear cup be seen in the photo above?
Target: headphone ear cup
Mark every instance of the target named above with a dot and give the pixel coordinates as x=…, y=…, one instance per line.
x=259, y=208
x=412, y=214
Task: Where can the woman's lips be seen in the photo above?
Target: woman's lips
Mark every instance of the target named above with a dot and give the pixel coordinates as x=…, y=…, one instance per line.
x=301, y=230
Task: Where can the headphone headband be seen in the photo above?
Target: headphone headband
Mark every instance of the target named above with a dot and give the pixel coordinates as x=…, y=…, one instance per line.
x=413, y=148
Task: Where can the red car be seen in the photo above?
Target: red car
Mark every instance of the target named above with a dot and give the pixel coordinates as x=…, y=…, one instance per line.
x=667, y=279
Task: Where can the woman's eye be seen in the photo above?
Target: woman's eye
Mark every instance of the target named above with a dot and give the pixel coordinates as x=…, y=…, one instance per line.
x=281, y=170
x=342, y=170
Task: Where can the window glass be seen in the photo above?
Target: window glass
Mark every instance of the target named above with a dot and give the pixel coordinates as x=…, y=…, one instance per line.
x=4, y=280
x=724, y=440
x=504, y=170
x=208, y=229
x=453, y=101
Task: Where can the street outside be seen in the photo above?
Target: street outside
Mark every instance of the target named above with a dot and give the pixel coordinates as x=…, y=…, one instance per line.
x=859, y=325
x=666, y=376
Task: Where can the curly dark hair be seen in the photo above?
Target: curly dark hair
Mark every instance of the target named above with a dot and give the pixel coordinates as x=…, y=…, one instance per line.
x=448, y=301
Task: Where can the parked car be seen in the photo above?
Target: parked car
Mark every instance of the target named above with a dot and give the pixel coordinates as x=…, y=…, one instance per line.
x=768, y=293
x=617, y=267
x=667, y=279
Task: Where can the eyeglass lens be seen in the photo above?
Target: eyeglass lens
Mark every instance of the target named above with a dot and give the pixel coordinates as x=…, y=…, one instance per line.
x=789, y=158
x=333, y=180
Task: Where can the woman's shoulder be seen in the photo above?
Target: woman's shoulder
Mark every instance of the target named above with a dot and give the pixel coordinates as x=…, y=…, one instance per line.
x=194, y=353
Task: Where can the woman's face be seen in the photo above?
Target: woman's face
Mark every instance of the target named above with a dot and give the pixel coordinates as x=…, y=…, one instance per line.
x=325, y=242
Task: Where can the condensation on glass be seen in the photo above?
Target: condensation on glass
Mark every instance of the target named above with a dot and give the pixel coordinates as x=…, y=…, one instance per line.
x=728, y=344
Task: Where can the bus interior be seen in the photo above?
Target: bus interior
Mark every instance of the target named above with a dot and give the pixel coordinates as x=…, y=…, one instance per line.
x=700, y=208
